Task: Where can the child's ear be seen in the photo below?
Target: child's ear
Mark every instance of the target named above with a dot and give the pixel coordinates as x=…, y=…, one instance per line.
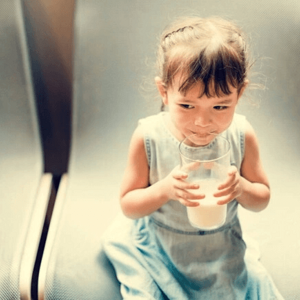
x=162, y=89
x=243, y=88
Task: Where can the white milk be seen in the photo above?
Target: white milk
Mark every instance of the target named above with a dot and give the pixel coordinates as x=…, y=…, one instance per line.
x=208, y=215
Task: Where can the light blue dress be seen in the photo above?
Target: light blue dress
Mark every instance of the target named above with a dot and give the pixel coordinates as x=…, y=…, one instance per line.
x=162, y=256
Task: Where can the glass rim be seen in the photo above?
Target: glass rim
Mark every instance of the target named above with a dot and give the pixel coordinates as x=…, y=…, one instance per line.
x=205, y=160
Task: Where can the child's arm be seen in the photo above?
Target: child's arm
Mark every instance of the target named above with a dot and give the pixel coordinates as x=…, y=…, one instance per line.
x=251, y=188
x=138, y=198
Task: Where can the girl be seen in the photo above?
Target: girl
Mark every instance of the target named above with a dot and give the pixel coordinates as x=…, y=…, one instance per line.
x=203, y=66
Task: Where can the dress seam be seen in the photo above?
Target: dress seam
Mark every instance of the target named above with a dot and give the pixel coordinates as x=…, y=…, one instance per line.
x=198, y=232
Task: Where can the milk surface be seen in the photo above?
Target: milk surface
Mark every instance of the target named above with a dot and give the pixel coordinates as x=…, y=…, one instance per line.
x=208, y=215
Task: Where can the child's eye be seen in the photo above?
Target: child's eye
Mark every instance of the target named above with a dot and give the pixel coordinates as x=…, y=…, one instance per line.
x=220, y=107
x=186, y=106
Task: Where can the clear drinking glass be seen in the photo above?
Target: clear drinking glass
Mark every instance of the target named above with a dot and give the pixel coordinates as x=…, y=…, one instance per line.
x=207, y=166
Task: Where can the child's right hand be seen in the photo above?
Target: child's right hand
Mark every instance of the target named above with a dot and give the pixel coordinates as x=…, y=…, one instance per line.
x=176, y=188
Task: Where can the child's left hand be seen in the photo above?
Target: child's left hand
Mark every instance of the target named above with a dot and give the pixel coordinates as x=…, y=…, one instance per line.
x=231, y=188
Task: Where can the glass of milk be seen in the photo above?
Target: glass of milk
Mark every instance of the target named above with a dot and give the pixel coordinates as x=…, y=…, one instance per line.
x=206, y=165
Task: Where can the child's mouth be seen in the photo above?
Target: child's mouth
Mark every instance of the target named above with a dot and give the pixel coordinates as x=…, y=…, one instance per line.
x=204, y=134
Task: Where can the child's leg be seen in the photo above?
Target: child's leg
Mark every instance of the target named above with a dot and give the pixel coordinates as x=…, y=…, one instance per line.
x=135, y=280
x=260, y=284
x=139, y=286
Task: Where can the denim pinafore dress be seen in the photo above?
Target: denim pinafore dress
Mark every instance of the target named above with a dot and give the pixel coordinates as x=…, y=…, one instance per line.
x=162, y=256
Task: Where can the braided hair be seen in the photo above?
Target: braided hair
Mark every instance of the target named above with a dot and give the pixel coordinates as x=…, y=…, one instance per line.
x=212, y=51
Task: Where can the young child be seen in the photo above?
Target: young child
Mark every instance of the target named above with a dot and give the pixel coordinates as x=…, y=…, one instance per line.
x=203, y=66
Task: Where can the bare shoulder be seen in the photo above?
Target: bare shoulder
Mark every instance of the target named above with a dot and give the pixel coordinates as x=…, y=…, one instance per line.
x=252, y=167
x=137, y=170
x=137, y=154
x=251, y=140
x=137, y=139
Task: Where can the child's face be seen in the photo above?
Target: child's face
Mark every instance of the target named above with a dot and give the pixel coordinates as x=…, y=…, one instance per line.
x=200, y=116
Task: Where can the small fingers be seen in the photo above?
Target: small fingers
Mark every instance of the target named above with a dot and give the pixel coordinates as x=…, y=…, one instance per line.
x=188, y=203
x=191, y=166
x=179, y=174
x=188, y=199
x=183, y=185
x=230, y=179
x=226, y=190
x=228, y=194
x=194, y=196
x=208, y=165
x=225, y=201
x=189, y=191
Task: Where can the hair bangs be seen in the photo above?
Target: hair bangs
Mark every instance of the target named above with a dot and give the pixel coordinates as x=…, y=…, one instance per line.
x=218, y=72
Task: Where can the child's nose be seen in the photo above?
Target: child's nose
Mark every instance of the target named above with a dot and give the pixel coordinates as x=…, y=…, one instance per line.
x=202, y=120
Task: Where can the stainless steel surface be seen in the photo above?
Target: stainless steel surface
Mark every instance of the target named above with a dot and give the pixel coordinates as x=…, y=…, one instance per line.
x=20, y=152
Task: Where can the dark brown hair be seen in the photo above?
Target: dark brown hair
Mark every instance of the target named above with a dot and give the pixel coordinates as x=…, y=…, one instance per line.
x=212, y=51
